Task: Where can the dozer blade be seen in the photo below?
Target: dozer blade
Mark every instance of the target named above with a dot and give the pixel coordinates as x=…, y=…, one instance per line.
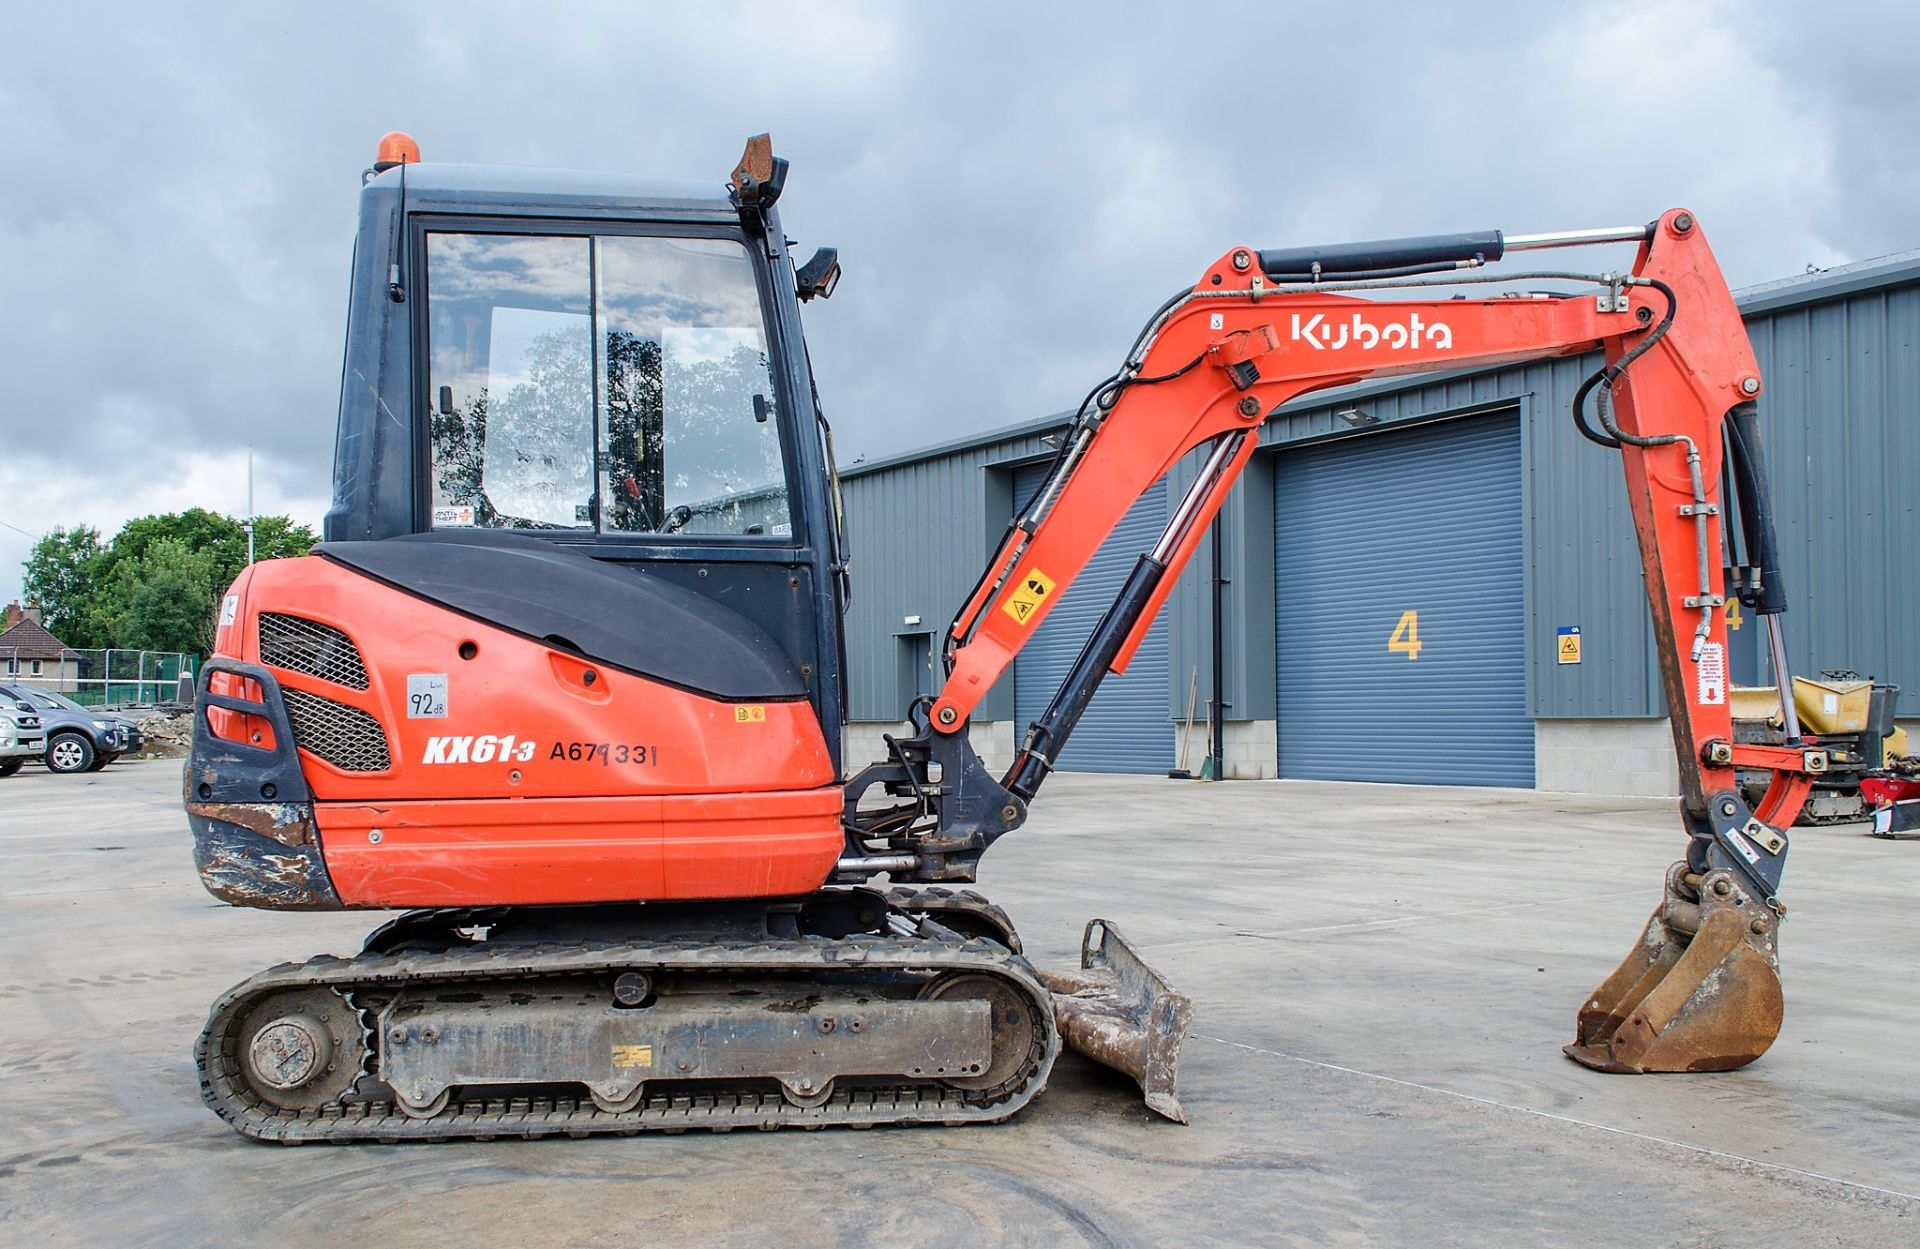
x=1123, y=1014
x=1701, y=990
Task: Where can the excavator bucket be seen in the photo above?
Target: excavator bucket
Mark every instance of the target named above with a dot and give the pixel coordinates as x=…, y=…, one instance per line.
x=1701, y=990
x=1120, y=1012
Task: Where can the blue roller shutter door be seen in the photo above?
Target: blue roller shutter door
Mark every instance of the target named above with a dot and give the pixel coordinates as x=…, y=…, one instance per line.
x=1126, y=727
x=1424, y=521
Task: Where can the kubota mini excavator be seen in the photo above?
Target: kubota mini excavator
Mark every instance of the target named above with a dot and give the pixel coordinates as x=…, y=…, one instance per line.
x=564, y=682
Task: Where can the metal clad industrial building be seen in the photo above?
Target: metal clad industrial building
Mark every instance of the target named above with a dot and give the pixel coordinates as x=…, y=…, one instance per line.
x=1840, y=352
x=921, y=528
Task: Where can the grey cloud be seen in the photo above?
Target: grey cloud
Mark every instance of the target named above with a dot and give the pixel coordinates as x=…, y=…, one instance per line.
x=1013, y=186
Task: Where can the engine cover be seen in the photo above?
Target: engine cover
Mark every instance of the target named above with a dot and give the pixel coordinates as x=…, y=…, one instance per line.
x=452, y=760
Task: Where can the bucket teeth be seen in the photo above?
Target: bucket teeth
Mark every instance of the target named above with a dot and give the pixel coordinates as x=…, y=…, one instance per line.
x=1121, y=1013
x=1699, y=992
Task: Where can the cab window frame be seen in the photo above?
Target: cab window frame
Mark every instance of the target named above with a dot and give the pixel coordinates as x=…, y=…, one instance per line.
x=604, y=541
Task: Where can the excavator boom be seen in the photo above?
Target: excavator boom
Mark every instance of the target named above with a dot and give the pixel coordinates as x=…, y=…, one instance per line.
x=1676, y=399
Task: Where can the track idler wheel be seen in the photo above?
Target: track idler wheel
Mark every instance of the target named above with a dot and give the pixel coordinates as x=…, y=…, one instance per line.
x=806, y=1093
x=1701, y=990
x=423, y=1109
x=1014, y=1031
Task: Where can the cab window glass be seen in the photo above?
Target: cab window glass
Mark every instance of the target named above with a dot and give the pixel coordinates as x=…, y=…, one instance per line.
x=687, y=413
x=679, y=435
x=511, y=381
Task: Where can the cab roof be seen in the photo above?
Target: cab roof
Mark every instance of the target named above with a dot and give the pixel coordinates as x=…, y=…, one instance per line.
x=520, y=190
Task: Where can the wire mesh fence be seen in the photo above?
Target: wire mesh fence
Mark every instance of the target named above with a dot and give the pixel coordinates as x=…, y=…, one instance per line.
x=105, y=678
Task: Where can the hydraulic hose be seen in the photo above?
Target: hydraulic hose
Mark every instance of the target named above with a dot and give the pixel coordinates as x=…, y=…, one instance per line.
x=1614, y=436
x=1607, y=375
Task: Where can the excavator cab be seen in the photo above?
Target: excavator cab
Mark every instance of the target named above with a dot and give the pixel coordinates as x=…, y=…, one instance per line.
x=610, y=364
x=582, y=572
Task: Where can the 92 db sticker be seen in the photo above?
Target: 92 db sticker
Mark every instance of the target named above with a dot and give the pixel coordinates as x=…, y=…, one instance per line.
x=426, y=696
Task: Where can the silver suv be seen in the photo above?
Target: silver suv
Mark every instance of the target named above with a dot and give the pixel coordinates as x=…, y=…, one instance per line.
x=78, y=739
x=21, y=737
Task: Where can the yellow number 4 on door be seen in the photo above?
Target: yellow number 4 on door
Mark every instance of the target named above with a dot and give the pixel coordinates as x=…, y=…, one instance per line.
x=1406, y=636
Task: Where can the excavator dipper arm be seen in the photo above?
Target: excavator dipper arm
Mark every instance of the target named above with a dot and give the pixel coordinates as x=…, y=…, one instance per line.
x=1675, y=398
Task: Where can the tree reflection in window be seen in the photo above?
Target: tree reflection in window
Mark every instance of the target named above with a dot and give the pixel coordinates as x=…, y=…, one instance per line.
x=530, y=466
x=636, y=501
x=687, y=431
x=690, y=425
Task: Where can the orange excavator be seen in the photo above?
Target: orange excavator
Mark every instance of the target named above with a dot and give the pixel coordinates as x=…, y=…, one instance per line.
x=564, y=685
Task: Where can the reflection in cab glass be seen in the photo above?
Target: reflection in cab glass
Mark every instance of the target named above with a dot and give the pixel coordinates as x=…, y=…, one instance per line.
x=681, y=423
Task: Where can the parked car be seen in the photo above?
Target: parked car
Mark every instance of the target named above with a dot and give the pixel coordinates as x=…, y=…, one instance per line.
x=21, y=736
x=79, y=739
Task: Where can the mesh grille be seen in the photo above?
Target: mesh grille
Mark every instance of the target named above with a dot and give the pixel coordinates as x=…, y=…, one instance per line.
x=344, y=736
x=311, y=647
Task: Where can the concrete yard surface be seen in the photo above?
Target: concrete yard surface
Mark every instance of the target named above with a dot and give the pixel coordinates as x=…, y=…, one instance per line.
x=1383, y=978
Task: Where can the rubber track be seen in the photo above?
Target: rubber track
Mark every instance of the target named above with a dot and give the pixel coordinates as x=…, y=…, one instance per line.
x=223, y=1086
x=935, y=901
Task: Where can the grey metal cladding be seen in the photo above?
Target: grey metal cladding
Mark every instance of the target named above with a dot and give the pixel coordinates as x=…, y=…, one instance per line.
x=1126, y=727
x=1841, y=420
x=921, y=530
x=1246, y=520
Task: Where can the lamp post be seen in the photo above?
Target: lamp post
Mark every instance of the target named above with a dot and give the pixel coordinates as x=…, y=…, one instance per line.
x=249, y=506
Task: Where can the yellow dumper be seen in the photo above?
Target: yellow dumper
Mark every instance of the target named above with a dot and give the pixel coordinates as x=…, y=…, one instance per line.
x=1850, y=714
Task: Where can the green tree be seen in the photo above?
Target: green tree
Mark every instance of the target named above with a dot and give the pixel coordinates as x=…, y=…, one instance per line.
x=200, y=529
x=154, y=585
x=169, y=598
x=61, y=578
x=222, y=537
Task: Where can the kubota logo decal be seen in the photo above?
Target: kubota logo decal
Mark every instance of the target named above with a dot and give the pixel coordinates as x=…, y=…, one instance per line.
x=1323, y=335
x=483, y=749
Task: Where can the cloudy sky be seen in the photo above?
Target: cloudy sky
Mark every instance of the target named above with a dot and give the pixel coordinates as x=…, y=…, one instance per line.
x=1013, y=186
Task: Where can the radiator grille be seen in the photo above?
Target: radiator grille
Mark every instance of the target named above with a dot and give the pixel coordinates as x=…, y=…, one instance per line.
x=308, y=646
x=344, y=736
